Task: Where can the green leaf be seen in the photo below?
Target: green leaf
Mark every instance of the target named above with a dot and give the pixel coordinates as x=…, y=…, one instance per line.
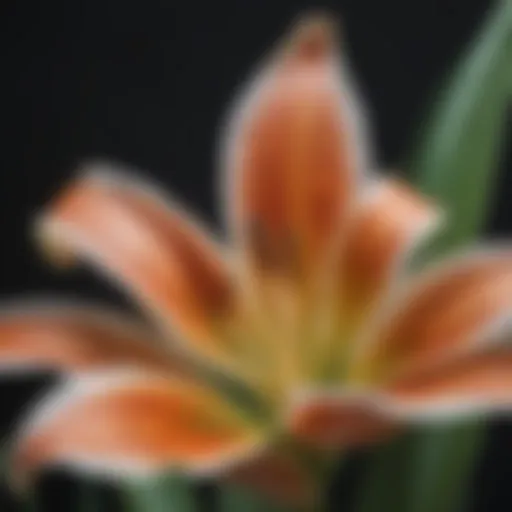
x=456, y=162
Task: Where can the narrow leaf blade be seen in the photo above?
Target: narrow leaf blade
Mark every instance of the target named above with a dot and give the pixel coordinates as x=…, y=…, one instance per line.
x=456, y=162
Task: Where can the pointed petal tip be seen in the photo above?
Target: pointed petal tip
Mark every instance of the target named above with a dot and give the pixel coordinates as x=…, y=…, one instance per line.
x=313, y=36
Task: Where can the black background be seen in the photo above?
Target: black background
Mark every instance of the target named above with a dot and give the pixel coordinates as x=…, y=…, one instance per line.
x=147, y=83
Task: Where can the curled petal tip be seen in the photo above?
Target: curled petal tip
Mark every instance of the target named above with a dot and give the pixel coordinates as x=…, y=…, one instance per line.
x=47, y=238
x=313, y=36
x=132, y=424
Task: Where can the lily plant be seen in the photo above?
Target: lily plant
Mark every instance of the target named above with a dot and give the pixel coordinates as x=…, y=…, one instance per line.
x=306, y=334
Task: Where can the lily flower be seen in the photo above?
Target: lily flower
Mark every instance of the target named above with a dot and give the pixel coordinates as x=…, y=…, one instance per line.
x=308, y=332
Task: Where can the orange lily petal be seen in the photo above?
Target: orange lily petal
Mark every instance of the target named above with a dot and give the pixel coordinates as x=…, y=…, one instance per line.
x=475, y=384
x=451, y=310
x=338, y=420
x=387, y=225
x=151, y=248
x=75, y=339
x=293, y=155
x=133, y=423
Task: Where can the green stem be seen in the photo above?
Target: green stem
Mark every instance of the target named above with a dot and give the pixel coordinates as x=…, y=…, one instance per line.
x=237, y=499
x=446, y=457
x=388, y=470
x=160, y=495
